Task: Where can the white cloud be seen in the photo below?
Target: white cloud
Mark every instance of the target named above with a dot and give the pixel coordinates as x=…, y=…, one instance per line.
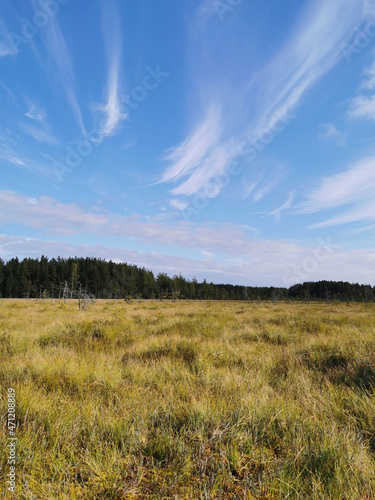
x=62, y=66
x=206, y=10
x=180, y=205
x=362, y=107
x=273, y=179
x=35, y=112
x=312, y=51
x=328, y=131
x=260, y=193
x=208, y=255
x=46, y=213
x=352, y=185
x=250, y=188
x=113, y=107
x=112, y=37
x=39, y=134
x=369, y=80
x=6, y=49
x=196, y=149
x=287, y=204
x=359, y=213
x=264, y=183
x=8, y=91
x=12, y=159
x=359, y=230
x=13, y=152
x=353, y=188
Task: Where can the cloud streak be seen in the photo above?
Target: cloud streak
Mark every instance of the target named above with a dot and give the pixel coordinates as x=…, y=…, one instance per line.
x=352, y=188
x=363, y=107
x=35, y=112
x=58, y=52
x=41, y=135
x=6, y=48
x=191, y=153
x=112, y=108
x=330, y=131
x=266, y=99
x=13, y=153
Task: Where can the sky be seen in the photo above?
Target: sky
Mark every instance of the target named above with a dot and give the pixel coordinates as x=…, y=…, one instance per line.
x=225, y=140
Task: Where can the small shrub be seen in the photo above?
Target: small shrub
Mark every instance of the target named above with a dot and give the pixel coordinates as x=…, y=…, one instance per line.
x=76, y=335
x=324, y=359
x=185, y=351
x=273, y=337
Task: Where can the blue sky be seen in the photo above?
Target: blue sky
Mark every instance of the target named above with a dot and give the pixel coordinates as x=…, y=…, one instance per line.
x=223, y=139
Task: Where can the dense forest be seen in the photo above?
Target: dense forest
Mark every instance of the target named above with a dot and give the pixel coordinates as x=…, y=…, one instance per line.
x=97, y=278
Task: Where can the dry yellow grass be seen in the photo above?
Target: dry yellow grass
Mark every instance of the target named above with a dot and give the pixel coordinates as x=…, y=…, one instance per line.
x=197, y=400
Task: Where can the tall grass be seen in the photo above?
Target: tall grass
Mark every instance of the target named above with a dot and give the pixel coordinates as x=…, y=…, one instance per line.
x=189, y=400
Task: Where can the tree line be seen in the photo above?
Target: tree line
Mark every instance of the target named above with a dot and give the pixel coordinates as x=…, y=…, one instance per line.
x=91, y=277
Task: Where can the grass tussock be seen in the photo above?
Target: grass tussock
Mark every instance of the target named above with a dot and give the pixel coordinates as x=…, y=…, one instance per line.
x=189, y=400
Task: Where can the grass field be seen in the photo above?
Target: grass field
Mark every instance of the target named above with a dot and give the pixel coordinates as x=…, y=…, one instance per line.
x=200, y=400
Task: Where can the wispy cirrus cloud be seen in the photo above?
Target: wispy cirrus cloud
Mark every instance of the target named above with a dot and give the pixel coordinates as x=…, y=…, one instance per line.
x=39, y=133
x=201, y=156
x=179, y=205
x=6, y=48
x=369, y=77
x=12, y=158
x=41, y=130
x=310, y=52
x=189, y=154
x=266, y=183
x=330, y=131
x=13, y=153
x=62, y=66
x=206, y=10
x=363, y=107
x=271, y=93
x=112, y=108
x=351, y=190
x=35, y=112
x=276, y=213
x=8, y=91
